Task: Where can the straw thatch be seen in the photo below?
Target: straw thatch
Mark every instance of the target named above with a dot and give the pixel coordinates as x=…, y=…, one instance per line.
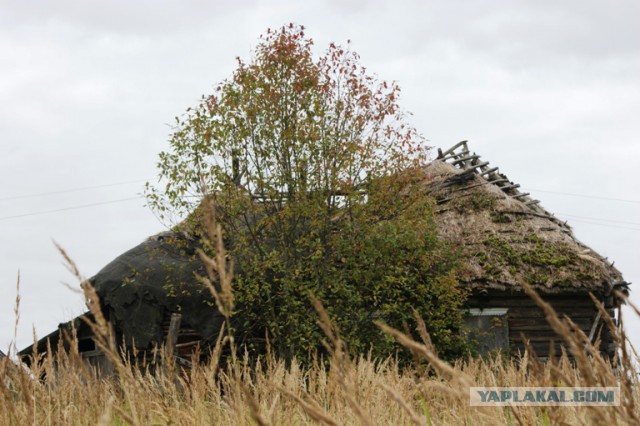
x=505, y=237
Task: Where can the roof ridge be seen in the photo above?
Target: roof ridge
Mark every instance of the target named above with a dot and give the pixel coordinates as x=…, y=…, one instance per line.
x=464, y=169
x=461, y=158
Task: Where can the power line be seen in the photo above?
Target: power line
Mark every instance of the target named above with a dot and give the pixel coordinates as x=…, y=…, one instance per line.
x=589, y=220
x=604, y=224
x=598, y=219
x=597, y=197
x=86, y=188
x=71, y=208
x=63, y=191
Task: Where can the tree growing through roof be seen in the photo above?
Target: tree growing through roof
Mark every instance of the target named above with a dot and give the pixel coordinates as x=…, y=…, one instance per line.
x=308, y=161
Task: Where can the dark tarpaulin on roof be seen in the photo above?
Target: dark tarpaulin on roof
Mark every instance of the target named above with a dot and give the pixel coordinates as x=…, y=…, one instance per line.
x=143, y=285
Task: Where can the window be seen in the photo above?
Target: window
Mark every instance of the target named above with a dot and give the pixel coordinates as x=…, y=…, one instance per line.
x=488, y=329
x=86, y=345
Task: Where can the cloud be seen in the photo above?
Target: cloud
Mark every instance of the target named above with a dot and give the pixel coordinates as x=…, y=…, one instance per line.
x=143, y=17
x=548, y=91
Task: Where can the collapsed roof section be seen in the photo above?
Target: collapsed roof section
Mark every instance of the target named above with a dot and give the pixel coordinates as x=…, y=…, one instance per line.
x=159, y=276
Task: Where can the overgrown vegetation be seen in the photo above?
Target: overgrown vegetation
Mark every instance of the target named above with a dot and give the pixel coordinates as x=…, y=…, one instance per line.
x=308, y=162
x=347, y=389
x=533, y=257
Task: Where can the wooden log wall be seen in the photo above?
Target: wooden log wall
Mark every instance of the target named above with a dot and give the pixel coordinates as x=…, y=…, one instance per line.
x=525, y=317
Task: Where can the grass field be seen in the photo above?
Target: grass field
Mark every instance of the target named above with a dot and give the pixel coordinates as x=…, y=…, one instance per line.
x=339, y=390
x=343, y=390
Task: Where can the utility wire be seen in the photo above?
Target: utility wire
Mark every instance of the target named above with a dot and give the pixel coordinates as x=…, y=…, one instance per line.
x=604, y=224
x=63, y=191
x=71, y=208
x=86, y=188
x=598, y=219
x=589, y=222
x=576, y=218
x=597, y=197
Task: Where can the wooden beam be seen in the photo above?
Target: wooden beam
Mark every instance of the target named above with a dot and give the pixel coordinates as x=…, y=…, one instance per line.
x=592, y=333
x=453, y=148
x=172, y=335
x=107, y=366
x=489, y=171
x=512, y=186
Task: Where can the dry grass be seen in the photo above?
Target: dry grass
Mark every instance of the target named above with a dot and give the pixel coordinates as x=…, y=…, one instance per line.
x=347, y=391
x=342, y=390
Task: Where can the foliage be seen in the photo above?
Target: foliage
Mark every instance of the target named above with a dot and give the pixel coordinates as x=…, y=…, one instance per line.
x=346, y=390
x=310, y=165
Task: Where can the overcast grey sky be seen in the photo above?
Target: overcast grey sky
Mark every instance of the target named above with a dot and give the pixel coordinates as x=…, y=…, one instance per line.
x=547, y=91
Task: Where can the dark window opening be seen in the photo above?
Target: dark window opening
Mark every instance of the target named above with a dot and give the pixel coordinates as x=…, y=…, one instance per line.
x=86, y=345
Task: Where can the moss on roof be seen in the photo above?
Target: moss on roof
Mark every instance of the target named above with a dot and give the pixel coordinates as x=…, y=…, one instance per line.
x=504, y=237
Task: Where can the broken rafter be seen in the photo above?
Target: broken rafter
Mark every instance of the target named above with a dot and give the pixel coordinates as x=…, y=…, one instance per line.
x=524, y=194
x=441, y=154
x=489, y=171
x=497, y=181
x=512, y=186
x=460, y=157
x=478, y=165
x=465, y=158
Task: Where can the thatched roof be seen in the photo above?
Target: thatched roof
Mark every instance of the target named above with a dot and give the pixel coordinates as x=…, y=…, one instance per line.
x=507, y=238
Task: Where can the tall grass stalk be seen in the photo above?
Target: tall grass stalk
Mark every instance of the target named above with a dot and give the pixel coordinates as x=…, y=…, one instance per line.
x=61, y=389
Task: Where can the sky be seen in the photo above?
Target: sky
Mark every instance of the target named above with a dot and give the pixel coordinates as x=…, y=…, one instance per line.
x=547, y=91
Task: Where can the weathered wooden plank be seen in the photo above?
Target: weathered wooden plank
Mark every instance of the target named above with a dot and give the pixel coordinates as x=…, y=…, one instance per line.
x=541, y=337
x=540, y=349
x=451, y=150
x=535, y=324
x=540, y=328
x=506, y=302
x=575, y=313
x=174, y=329
x=188, y=344
x=539, y=346
x=489, y=171
x=188, y=334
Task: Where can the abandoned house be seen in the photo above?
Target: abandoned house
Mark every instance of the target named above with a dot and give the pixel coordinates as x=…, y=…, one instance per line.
x=505, y=237
x=150, y=296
